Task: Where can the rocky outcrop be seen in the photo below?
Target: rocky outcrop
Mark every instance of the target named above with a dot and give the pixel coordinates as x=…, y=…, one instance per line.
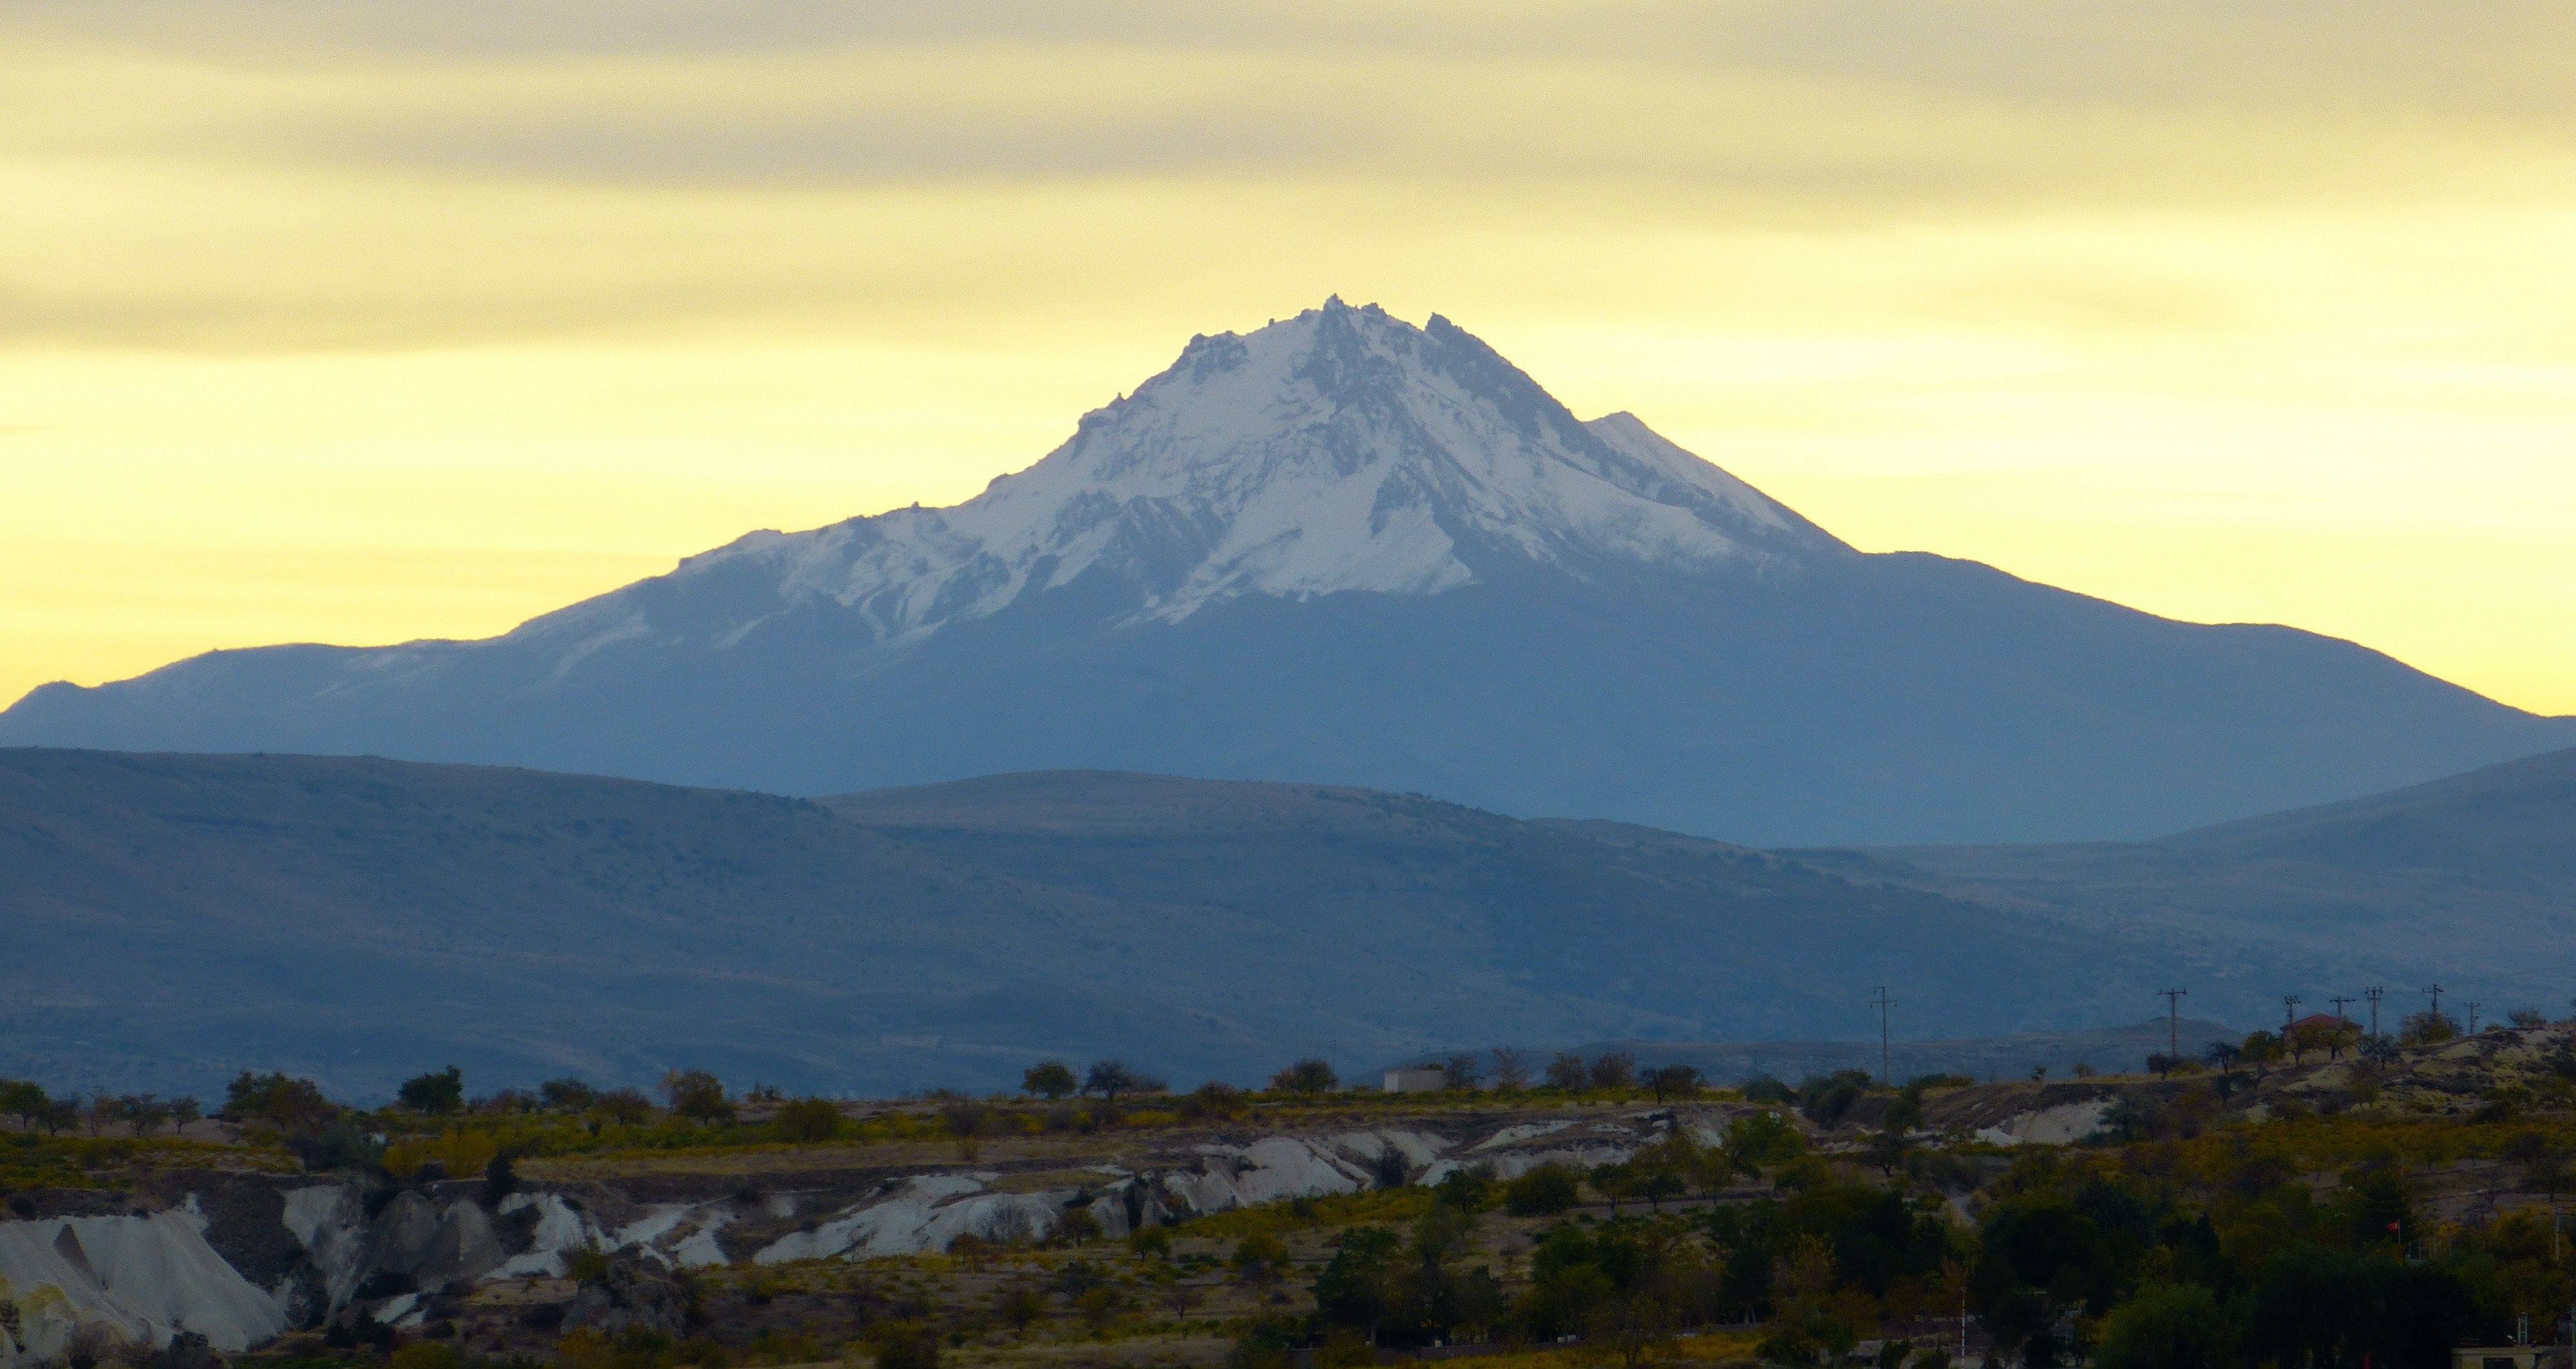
x=138, y=1279
x=2057, y=1125
x=242, y=1258
x=630, y=1296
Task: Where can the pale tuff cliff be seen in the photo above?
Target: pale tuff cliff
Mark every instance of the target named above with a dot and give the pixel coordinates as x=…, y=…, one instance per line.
x=241, y=1259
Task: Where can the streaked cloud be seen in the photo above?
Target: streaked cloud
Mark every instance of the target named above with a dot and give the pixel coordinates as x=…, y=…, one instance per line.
x=2204, y=306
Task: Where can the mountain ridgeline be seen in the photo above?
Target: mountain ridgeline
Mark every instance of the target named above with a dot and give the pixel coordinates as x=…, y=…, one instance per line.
x=175, y=918
x=1344, y=550
x=2467, y=880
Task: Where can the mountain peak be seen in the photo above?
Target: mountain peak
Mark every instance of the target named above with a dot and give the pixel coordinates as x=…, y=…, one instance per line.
x=1345, y=549
x=1343, y=449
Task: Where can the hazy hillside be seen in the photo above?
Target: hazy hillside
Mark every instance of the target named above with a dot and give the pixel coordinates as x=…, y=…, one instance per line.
x=1345, y=549
x=172, y=918
x=2469, y=880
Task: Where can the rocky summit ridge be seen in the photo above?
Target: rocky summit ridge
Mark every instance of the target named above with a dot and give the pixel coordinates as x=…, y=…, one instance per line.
x=1340, y=450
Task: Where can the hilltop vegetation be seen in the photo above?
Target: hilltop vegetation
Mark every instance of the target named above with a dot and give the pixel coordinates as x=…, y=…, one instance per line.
x=2285, y=1212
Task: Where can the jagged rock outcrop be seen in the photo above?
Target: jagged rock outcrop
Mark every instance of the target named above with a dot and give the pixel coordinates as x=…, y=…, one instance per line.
x=139, y=1279
x=238, y=1259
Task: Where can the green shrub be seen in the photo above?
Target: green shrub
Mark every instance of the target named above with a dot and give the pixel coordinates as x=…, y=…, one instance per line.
x=1543, y=1192
x=807, y=1120
x=435, y=1094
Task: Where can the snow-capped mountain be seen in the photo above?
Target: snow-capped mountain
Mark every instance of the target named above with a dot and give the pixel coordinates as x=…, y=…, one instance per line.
x=1342, y=548
x=1341, y=450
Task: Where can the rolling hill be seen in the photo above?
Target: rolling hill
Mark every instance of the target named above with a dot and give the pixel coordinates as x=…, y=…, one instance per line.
x=173, y=918
x=2468, y=881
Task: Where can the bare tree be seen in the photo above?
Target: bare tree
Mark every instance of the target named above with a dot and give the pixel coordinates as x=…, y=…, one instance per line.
x=141, y=1112
x=1462, y=1071
x=1049, y=1079
x=1177, y=1293
x=1674, y=1081
x=1110, y=1078
x=697, y=1095
x=2545, y=1162
x=25, y=1101
x=1511, y=1069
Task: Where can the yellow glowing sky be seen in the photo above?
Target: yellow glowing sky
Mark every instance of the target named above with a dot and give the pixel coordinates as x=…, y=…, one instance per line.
x=366, y=321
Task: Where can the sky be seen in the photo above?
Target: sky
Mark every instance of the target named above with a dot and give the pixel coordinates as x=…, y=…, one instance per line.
x=362, y=322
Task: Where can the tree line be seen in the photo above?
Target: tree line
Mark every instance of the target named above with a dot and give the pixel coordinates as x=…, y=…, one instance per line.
x=140, y=1114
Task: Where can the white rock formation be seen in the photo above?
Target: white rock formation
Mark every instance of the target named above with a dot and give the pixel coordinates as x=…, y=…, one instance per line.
x=2063, y=1124
x=142, y=1278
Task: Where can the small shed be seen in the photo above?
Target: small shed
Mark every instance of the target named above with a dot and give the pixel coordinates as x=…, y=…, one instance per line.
x=1417, y=1081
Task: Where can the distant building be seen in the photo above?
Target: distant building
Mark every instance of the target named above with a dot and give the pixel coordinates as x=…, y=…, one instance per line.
x=2509, y=1357
x=2320, y=1021
x=1417, y=1081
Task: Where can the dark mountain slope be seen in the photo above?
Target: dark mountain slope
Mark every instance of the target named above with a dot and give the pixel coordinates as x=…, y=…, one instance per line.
x=2507, y=827
x=1346, y=550
x=2470, y=880
x=173, y=918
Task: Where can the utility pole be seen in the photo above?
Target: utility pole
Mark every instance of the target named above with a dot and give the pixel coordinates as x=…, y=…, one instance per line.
x=2473, y=1017
x=2173, y=1022
x=2335, y=1048
x=2289, y=1008
x=1882, y=1002
x=2434, y=991
x=2374, y=993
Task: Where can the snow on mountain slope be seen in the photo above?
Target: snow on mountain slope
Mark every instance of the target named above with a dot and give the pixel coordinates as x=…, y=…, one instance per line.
x=1345, y=549
x=1343, y=449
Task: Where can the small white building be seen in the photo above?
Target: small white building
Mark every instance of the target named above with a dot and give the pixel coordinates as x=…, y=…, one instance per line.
x=1417, y=1081
x=2509, y=1357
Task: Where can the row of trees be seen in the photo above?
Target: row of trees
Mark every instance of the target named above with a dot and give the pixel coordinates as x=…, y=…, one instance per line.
x=1314, y=1076
x=2213, y=1254
x=139, y=1114
x=296, y=1106
x=1107, y=1080
x=1516, y=1071
x=694, y=1095
x=2296, y=1042
x=1808, y=1264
